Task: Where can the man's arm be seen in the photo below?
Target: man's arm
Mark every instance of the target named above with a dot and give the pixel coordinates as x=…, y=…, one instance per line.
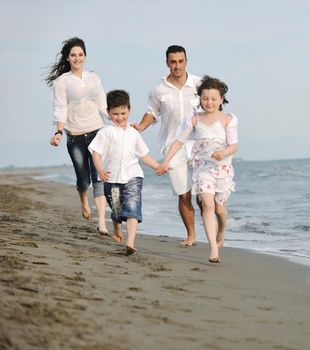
x=146, y=121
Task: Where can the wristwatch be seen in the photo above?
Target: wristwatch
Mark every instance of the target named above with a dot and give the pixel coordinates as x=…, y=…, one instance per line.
x=58, y=132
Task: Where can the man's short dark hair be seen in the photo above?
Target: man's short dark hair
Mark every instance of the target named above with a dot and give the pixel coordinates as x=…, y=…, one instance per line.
x=175, y=49
x=118, y=98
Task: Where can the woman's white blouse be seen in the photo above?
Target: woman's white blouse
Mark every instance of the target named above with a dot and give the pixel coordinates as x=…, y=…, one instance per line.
x=79, y=103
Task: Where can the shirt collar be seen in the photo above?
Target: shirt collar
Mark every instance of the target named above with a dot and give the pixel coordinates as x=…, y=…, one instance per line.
x=189, y=81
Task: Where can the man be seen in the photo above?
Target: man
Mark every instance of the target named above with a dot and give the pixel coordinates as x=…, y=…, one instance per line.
x=174, y=99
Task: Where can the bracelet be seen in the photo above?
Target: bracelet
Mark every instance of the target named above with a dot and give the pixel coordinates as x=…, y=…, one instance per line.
x=58, y=132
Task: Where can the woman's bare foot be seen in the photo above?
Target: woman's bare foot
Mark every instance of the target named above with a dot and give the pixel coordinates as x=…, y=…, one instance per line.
x=86, y=213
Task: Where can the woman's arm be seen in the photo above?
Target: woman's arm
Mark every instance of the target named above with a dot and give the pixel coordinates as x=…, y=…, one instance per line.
x=56, y=139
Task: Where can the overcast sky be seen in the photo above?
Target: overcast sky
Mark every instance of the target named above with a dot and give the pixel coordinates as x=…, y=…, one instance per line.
x=260, y=48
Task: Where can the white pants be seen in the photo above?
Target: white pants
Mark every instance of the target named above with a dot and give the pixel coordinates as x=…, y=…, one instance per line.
x=180, y=176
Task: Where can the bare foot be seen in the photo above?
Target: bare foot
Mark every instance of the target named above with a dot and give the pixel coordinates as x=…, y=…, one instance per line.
x=117, y=237
x=130, y=250
x=103, y=233
x=86, y=213
x=102, y=227
x=188, y=243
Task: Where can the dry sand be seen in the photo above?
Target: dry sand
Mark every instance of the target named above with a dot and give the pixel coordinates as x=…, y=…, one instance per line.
x=62, y=286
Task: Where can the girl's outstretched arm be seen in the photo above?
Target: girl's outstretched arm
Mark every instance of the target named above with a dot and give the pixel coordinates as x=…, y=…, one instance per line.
x=173, y=149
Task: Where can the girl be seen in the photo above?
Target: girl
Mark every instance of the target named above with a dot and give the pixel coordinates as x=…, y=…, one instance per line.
x=79, y=103
x=216, y=141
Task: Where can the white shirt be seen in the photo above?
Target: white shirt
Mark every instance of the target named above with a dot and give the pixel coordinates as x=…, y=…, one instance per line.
x=173, y=105
x=79, y=103
x=120, y=149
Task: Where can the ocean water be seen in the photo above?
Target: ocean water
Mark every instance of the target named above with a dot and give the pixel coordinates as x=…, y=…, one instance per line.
x=268, y=213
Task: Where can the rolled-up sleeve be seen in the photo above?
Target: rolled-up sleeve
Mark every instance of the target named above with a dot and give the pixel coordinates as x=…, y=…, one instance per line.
x=232, y=131
x=60, y=105
x=153, y=107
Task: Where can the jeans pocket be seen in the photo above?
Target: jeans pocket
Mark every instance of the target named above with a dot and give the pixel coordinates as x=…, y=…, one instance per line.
x=70, y=140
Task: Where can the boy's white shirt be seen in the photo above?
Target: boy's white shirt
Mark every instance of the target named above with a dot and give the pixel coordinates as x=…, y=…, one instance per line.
x=120, y=149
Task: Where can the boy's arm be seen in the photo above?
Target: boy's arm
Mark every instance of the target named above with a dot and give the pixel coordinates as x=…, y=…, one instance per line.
x=104, y=175
x=150, y=161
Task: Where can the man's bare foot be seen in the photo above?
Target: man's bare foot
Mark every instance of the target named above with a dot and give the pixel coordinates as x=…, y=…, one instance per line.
x=188, y=243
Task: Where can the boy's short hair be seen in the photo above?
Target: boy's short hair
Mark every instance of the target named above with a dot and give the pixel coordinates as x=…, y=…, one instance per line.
x=175, y=49
x=118, y=98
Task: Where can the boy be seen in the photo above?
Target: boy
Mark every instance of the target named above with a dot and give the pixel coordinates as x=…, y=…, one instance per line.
x=115, y=151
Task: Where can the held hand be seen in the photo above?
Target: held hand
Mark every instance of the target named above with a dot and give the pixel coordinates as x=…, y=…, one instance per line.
x=162, y=169
x=55, y=140
x=218, y=155
x=104, y=175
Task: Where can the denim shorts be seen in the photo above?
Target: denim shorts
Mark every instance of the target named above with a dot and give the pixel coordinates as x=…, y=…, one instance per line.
x=125, y=200
x=84, y=168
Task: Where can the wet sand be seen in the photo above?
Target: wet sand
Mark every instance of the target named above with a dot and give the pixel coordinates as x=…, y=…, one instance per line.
x=63, y=286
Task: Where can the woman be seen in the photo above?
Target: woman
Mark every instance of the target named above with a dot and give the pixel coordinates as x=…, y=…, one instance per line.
x=79, y=104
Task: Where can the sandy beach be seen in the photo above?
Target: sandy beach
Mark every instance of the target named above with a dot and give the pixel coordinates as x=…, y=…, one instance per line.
x=63, y=286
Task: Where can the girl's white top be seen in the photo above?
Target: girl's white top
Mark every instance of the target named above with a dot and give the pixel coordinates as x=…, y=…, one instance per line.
x=120, y=149
x=227, y=136
x=79, y=103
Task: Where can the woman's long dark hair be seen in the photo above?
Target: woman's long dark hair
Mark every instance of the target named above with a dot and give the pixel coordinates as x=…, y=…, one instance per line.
x=62, y=65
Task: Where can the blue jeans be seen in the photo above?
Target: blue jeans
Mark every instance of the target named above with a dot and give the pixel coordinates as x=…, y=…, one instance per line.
x=125, y=200
x=84, y=168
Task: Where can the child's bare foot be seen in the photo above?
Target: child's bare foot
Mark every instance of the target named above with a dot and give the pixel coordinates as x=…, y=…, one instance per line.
x=214, y=256
x=117, y=238
x=130, y=250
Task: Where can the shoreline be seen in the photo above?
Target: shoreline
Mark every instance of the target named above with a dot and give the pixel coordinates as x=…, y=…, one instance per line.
x=64, y=286
x=48, y=175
